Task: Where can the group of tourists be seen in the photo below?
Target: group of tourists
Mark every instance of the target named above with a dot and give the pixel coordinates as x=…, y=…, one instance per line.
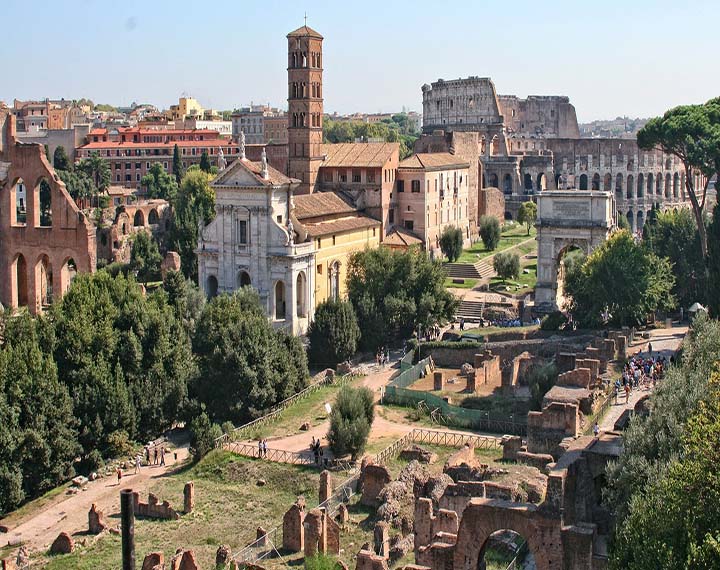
x=640, y=373
x=156, y=457
x=316, y=448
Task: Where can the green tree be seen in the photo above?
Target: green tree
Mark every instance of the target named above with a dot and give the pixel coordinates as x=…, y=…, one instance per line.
x=652, y=442
x=692, y=134
x=713, y=292
x=245, y=365
x=396, y=292
x=350, y=421
x=98, y=170
x=79, y=185
x=333, y=334
x=203, y=434
x=489, y=232
x=178, y=169
x=540, y=378
x=195, y=201
x=674, y=235
x=186, y=299
x=623, y=223
x=145, y=257
x=205, y=162
x=506, y=265
x=38, y=435
x=674, y=523
x=527, y=214
x=159, y=184
x=60, y=159
x=623, y=277
x=451, y=243
x=124, y=357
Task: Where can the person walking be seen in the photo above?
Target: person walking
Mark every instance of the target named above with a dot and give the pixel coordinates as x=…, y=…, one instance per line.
x=155, y=461
x=596, y=429
x=650, y=349
x=137, y=464
x=119, y=475
x=162, y=455
x=147, y=455
x=627, y=393
x=260, y=448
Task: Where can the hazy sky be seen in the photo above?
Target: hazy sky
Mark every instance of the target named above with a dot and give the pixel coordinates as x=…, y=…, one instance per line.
x=611, y=57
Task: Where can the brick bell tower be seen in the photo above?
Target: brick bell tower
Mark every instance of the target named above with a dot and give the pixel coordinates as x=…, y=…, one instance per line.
x=305, y=106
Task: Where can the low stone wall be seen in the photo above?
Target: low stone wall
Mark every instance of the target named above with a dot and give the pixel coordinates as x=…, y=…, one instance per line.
x=154, y=508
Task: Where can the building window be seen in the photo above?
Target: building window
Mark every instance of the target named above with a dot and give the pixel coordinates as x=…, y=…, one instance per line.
x=138, y=165
x=343, y=177
x=409, y=224
x=391, y=216
x=356, y=176
x=401, y=186
x=415, y=185
x=319, y=269
x=242, y=232
x=333, y=240
x=328, y=176
x=370, y=177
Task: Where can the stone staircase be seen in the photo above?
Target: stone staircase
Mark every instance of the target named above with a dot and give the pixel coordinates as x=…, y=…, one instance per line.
x=477, y=270
x=470, y=310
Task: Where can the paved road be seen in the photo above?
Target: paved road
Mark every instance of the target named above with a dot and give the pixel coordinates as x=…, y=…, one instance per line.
x=664, y=342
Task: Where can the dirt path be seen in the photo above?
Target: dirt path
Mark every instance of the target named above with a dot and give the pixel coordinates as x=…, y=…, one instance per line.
x=68, y=513
x=664, y=342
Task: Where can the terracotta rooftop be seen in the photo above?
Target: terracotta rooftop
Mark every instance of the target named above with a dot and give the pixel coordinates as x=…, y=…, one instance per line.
x=340, y=225
x=433, y=161
x=320, y=204
x=275, y=177
x=304, y=31
x=401, y=238
x=358, y=154
x=132, y=145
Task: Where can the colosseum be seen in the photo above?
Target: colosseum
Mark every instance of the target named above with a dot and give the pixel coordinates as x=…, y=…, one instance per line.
x=530, y=145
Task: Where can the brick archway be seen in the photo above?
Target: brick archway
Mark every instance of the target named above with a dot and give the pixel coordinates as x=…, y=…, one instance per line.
x=483, y=517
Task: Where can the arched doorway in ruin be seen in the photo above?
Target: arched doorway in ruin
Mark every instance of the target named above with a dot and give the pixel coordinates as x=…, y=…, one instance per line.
x=504, y=548
x=569, y=258
x=583, y=182
x=541, y=182
x=484, y=518
x=19, y=278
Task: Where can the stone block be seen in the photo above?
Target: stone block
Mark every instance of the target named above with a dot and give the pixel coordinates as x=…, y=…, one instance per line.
x=63, y=544
x=223, y=555
x=343, y=515
x=189, y=497
x=381, y=539
x=565, y=361
x=184, y=560
x=511, y=445
x=537, y=460
x=154, y=561
x=368, y=560
x=445, y=521
x=260, y=536
x=438, y=381
x=579, y=377
x=96, y=520
x=332, y=535
x=314, y=533
x=171, y=262
x=372, y=481
x=293, y=527
x=325, y=486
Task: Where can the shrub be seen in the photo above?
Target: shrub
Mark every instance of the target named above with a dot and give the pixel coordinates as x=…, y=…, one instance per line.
x=350, y=421
x=553, y=322
x=334, y=334
x=490, y=232
x=119, y=444
x=540, y=378
x=321, y=562
x=203, y=434
x=506, y=265
x=451, y=243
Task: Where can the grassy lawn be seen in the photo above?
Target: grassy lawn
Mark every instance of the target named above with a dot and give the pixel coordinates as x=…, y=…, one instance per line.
x=229, y=506
x=510, y=237
x=488, y=332
x=523, y=284
x=467, y=284
x=310, y=409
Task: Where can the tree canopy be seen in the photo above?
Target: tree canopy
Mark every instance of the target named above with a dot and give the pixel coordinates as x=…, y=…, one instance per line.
x=245, y=365
x=351, y=418
x=333, y=334
x=397, y=129
x=194, y=201
x=159, y=184
x=60, y=159
x=98, y=170
x=489, y=232
x=145, y=257
x=623, y=277
x=178, y=168
x=396, y=292
x=506, y=265
x=527, y=214
x=692, y=134
x=451, y=243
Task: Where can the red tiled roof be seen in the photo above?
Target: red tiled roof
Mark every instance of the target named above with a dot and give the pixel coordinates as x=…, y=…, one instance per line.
x=433, y=161
x=402, y=238
x=304, y=31
x=340, y=225
x=320, y=204
x=225, y=143
x=368, y=155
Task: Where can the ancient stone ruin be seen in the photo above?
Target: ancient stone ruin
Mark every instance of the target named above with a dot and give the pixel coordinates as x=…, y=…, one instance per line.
x=96, y=520
x=63, y=544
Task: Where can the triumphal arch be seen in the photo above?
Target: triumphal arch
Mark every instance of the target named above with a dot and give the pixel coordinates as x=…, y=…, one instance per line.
x=566, y=220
